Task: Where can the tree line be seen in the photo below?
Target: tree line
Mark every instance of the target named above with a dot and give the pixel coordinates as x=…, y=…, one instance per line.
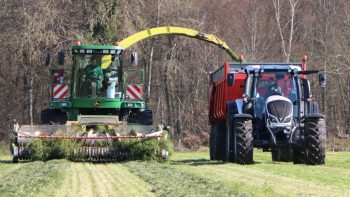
x=177, y=68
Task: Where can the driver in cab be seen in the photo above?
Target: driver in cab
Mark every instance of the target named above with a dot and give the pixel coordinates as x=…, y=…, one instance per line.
x=94, y=74
x=273, y=88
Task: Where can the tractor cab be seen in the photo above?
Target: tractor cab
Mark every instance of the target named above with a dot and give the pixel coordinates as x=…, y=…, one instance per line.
x=97, y=72
x=266, y=81
x=278, y=97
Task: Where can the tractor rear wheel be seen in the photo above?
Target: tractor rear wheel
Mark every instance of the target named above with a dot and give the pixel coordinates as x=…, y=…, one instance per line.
x=14, y=159
x=299, y=156
x=315, y=134
x=282, y=154
x=243, y=141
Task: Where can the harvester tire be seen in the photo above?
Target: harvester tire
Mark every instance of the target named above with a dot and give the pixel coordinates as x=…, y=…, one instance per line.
x=315, y=133
x=53, y=116
x=243, y=142
x=299, y=156
x=282, y=154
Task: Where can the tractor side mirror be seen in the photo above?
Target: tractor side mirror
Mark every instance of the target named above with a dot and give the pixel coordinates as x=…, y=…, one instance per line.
x=134, y=58
x=47, y=59
x=306, y=89
x=322, y=79
x=60, y=58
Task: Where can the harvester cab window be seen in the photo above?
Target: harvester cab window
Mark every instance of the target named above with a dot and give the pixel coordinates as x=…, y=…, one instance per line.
x=96, y=76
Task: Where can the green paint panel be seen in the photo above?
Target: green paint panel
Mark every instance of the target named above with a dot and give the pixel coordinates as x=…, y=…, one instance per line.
x=60, y=104
x=91, y=103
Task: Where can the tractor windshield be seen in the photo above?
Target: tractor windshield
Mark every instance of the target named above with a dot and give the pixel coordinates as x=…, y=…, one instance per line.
x=274, y=83
x=96, y=75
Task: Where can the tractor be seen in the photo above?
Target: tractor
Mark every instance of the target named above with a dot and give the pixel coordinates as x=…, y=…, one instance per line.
x=268, y=106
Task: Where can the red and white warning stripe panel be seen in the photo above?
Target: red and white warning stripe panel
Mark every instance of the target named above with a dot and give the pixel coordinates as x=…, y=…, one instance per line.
x=60, y=91
x=134, y=91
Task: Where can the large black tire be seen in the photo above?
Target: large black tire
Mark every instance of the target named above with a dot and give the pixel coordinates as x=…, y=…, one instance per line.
x=53, y=116
x=14, y=159
x=299, y=156
x=282, y=154
x=212, y=142
x=243, y=141
x=221, y=140
x=315, y=134
x=229, y=141
x=144, y=117
x=217, y=141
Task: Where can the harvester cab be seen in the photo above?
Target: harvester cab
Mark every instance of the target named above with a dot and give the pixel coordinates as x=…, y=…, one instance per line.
x=95, y=103
x=275, y=112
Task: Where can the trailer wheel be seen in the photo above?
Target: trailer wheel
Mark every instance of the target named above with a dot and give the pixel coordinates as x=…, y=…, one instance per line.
x=282, y=154
x=315, y=133
x=217, y=141
x=221, y=140
x=212, y=139
x=243, y=141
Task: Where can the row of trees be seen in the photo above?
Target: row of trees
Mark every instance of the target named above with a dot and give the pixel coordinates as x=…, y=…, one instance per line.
x=177, y=68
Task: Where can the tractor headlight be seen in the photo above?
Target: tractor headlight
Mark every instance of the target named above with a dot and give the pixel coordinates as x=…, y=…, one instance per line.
x=286, y=120
x=273, y=119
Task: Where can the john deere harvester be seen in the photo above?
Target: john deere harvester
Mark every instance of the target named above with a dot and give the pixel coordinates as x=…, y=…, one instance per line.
x=97, y=104
x=94, y=103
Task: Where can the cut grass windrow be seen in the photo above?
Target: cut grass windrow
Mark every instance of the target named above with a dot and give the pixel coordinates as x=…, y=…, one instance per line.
x=169, y=181
x=102, y=179
x=33, y=179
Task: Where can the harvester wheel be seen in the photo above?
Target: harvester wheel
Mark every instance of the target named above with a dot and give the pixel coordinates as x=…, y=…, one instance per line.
x=243, y=142
x=282, y=154
x=315, y=133
x=53, y=116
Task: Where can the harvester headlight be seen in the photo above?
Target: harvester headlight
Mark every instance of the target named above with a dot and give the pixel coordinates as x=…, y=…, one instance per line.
x=105, y=51
x=89, y=51
x=82, y=51
x=112, y=51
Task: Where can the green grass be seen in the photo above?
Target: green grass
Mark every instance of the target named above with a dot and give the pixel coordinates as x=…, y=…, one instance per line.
x=32, y=179
x=265, y=178
x=186, y=174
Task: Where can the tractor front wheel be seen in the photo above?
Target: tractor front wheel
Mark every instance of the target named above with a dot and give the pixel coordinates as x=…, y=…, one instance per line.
x=315, y=133
x=243, y=141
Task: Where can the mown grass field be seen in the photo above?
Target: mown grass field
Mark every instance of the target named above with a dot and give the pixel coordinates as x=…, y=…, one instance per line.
x=186, y=174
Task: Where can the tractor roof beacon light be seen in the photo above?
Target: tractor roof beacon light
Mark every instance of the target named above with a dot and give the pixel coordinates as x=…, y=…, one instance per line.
x=304, y=59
